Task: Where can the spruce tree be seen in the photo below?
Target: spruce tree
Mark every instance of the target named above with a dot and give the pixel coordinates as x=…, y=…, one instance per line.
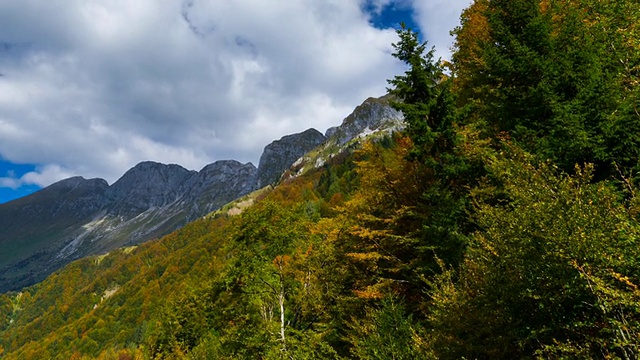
x=424, y=97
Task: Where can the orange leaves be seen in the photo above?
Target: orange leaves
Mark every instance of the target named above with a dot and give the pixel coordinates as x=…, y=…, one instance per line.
x=336, y=199
x=281, y=261
x=370, y=292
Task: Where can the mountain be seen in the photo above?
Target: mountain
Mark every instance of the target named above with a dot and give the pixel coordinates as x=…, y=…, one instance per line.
x=280, y=154
x=34, y=227
x=76, y=217
x=374, y=115
x=374, y=118
x=153, y=199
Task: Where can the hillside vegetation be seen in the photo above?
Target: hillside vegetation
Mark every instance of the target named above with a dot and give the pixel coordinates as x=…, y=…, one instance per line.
x=502, y=223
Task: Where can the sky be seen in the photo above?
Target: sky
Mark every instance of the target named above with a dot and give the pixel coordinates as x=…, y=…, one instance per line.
x=92, y=87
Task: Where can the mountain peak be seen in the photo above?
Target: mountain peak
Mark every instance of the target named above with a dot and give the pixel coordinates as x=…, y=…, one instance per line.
x=146, y=185
x=280, y=154
x=372, y=115
x=232, y=164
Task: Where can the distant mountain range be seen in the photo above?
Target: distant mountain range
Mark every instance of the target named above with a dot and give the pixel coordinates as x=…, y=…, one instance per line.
x=76, y=217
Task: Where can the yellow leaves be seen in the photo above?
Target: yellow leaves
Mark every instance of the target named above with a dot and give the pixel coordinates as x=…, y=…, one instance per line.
x=372, y=230
x=486, y=245
x=469, y=37
x=544, y=6
x=387, y=178
x=599, y=285
x=366, y=256
x=369, y=293
x=368, y=233
x=375, y=291
x=366, y=260
x=625, y=280
x=474, y=145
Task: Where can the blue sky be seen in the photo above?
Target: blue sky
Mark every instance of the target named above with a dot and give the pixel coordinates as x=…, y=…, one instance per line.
x=390, y=14
x=91, y=88
x=9, y=190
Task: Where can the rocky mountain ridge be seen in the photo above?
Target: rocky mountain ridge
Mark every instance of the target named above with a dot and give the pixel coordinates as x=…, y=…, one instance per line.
x=280, y=154
x=374, y=118
x=77, y=217
x=373, y=115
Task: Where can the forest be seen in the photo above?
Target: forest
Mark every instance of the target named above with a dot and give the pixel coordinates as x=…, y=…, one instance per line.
x=503, y=223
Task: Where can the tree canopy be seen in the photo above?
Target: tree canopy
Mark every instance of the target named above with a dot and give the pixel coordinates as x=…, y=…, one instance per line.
x=503, y=222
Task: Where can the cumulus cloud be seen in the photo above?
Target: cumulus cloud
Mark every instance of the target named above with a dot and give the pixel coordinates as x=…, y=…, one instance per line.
x=436, y=18
x=10, y=182
x=41, y=176
x=45, y=175
x=92, y=87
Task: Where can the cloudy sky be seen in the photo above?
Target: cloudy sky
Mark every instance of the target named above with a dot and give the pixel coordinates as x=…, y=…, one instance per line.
x=92, y=87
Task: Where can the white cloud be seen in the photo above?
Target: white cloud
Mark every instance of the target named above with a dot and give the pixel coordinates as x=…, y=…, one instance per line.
x=41, y=177
x=378, y=5
x=436, y=19
x=45, y=175
x=92, y=87
x=10, y=182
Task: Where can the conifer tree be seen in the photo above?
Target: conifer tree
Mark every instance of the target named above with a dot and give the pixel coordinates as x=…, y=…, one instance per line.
x=424, y=97
x=559, y=77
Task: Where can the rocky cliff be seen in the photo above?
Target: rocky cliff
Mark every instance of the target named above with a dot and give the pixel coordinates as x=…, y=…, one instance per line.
x=374, y=115
x=374, y=118
x=280, y=154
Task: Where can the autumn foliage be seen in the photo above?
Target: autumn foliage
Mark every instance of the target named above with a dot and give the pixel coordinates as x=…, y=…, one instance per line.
x=502, y=223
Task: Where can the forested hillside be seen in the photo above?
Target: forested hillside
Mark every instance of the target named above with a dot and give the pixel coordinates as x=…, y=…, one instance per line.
x=502, y=223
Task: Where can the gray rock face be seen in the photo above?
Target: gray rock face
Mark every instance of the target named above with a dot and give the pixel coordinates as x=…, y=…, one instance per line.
x=147, y=185
x=374, y=114
x=216, y=185
x=374, y=118
x=280, y=154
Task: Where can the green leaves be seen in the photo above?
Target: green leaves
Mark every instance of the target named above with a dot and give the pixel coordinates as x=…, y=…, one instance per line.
x=386, y=333
x=554, y=266
x=556, y=75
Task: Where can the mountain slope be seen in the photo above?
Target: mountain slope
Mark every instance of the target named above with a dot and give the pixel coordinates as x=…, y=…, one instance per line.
x=114, y=300
x=76, y=217
x=144, y=277
x=34, y=228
